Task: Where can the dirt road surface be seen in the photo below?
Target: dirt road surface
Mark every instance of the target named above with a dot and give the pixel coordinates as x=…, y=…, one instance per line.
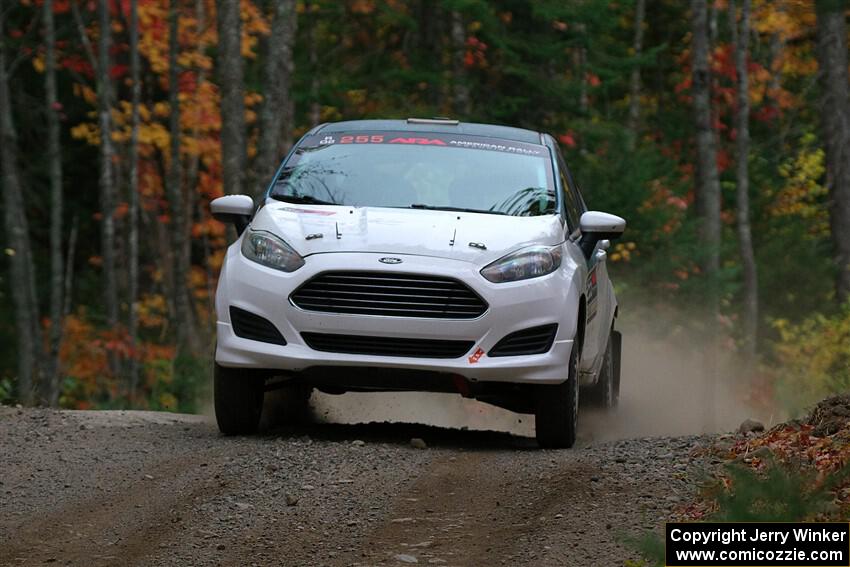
x=138, y=488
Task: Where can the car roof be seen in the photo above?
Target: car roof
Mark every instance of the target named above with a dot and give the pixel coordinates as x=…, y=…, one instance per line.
x=435, y=125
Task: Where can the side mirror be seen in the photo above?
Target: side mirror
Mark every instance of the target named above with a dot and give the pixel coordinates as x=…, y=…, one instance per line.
x=234, y=209
x=596, y=226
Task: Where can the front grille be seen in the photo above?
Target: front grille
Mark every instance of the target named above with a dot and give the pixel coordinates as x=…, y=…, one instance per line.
x=386, y=346
x=247, y=325
x=535, y=340
x=389, y=295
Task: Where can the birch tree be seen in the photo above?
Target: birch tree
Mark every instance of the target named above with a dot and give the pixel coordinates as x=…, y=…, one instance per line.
x=106, y=182
x=740, y=37
x=707, y=193
x=707, y=179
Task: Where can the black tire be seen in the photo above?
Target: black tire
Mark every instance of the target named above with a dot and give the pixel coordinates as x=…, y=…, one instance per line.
x=238, y=396
x=287, y=405
x=556, y=412
x=606, y=392
x=296, y=404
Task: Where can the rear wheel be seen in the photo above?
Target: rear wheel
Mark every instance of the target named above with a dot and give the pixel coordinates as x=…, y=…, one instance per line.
x=238, y=396
x=556, y=414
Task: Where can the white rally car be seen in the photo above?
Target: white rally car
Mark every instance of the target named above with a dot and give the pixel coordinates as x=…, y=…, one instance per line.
x=421, y=255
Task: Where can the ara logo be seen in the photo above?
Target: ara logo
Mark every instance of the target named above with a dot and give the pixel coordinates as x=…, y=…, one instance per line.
x=418, y=141
x=389, y=260
x=327, y=140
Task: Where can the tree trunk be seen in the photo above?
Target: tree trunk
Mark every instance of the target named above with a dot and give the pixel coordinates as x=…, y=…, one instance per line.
x=707, y=179
x=580, y=62
x=634, y=80
x=749, y=320
x=460, y=88
x=707, y=198
x=777, y=46
x=107, y=183
x=232, y=81
x=54, y=156
x=22, y=273
x=193, y=206
x=712, y=23
x=313, y=58
x=133, y=213
x=775, y=50
x=69, y=267
x=276, y=115
x=835, y=112
x=173, y=184
x=426, y=47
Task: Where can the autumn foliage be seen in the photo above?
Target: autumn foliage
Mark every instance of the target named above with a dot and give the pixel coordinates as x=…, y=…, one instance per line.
x=562, y=67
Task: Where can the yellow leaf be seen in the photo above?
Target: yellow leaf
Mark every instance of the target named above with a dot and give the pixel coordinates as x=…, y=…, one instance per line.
x=38, y=63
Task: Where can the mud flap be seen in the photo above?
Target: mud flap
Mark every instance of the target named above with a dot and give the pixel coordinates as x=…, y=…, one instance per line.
x=617, y=348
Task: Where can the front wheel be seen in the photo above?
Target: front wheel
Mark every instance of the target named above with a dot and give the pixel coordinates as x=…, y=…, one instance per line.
x=556, y=413
x=238, y=396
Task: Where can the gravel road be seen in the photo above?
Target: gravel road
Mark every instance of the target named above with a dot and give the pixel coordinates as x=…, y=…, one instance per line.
x=140, y=488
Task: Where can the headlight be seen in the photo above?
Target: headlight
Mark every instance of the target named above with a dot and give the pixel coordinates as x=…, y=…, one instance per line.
x=267, y=249
x=523, y=264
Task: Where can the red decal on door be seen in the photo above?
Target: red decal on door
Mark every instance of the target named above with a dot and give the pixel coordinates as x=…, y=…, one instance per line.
x=476, y=356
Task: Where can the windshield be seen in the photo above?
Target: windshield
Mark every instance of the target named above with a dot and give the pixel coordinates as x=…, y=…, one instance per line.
x=459, y=173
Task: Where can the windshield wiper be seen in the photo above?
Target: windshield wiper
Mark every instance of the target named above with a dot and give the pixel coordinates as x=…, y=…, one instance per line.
x=301, y=199
x=456, y=209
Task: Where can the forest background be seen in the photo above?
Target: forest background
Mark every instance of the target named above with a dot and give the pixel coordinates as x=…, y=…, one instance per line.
x=719, y=129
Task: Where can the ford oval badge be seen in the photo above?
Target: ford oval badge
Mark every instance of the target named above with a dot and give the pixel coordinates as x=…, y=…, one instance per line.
x=390, y=260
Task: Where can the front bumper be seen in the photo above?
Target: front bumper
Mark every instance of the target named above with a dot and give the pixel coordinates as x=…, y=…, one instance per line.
x=512, y=307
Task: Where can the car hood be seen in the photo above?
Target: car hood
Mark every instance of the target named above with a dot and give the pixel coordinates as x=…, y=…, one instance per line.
x=442, y=234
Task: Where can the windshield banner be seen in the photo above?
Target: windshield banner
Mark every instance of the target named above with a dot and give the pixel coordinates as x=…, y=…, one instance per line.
x=427, y=139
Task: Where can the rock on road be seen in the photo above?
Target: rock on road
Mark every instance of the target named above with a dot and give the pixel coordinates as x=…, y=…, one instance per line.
x=141, y=488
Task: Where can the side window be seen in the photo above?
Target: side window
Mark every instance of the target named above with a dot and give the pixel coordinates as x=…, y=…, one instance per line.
x=582, y=206
x=572, y=201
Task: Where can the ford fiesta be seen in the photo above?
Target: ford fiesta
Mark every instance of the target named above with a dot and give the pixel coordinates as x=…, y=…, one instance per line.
x=418, y=255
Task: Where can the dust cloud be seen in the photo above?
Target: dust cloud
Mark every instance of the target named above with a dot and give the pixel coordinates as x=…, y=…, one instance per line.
x=441, y=410
x=673, y=383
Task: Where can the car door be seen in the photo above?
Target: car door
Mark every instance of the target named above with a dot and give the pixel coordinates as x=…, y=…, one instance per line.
x=597, y=285
x=599, y=308
x=600, y=297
